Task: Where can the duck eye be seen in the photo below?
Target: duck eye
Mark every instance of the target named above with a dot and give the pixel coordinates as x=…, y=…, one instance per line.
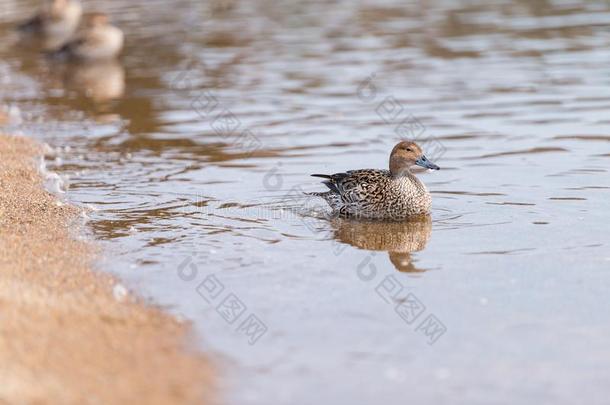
x=409, y=150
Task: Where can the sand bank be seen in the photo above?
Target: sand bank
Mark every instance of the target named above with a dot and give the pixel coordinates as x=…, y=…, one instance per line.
x=64, y=336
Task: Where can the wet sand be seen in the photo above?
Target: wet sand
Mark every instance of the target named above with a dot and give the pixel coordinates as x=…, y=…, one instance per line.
x=66, y=336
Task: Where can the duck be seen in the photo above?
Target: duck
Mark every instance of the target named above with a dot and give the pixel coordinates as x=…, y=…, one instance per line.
x=96, y=40
x=56, y=18
x=394, y=194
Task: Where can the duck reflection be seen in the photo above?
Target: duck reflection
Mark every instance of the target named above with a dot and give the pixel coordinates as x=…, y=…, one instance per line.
x=399, y=239
x=100, y=81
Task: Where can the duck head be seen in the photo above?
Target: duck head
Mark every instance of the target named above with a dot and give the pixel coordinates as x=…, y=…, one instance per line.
x=406, y=154
x=59, y=9
x=95, y=19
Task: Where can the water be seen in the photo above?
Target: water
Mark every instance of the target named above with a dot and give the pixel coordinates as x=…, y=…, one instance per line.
x=507, y=283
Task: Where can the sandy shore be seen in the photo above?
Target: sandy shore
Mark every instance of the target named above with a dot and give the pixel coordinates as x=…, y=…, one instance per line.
x=64, y=337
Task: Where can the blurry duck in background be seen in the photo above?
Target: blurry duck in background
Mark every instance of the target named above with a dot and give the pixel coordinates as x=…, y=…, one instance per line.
x=55, y=23
x=55, y=18
x=97, y=40
x=394, y=194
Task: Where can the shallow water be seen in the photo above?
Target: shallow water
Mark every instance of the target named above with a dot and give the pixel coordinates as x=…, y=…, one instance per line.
x=501, y=298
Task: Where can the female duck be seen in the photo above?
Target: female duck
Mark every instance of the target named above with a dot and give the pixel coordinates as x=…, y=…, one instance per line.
x=393, y=194
x=97, y=40
x=56, y=18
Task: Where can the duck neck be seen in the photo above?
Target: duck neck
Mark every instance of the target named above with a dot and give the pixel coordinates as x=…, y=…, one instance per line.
x=409, y=180
x=403, y=172
x=398, y=167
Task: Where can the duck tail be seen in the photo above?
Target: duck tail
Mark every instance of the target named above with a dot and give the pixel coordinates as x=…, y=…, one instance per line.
x=324, y=176
x=316, y=194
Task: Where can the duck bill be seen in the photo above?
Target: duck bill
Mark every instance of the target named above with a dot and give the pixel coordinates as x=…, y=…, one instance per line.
x=424, y=162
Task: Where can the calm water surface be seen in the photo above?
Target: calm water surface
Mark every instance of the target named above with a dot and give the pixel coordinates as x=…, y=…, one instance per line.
x=502, y=295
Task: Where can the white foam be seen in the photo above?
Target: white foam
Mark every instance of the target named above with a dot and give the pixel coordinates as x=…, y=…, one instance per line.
x=119, y=292
x=54, y=182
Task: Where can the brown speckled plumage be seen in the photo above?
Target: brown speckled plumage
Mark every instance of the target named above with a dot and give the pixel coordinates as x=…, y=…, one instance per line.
x=393, y=194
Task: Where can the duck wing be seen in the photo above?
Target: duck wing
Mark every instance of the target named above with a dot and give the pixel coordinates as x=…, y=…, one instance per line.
x=356, y=185
x=68, y=49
